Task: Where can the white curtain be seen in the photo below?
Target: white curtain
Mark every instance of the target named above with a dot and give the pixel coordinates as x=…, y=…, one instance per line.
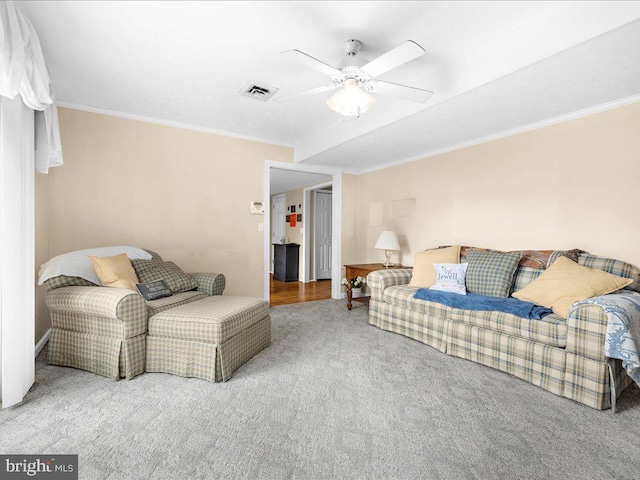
x=24, y=72
x=25, y=138
x=17, y=272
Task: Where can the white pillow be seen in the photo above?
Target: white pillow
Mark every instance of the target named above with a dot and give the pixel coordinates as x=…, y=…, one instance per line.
x=450, y=277
x=78, y=264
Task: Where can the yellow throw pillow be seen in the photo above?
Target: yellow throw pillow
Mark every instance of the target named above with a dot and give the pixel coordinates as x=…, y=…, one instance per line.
x=566, y=282
x=115, y=271
x=424, y=274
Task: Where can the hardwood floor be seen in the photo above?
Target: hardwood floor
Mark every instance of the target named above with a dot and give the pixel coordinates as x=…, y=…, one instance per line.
x=283, y=293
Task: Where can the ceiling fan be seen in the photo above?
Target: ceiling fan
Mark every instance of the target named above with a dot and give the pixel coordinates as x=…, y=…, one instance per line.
x=355, y=84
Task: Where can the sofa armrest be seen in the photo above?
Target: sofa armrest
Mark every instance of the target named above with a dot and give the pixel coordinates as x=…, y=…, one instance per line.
x=210, y=283
x=586, y=331
x=379, y=280
x=116, y=303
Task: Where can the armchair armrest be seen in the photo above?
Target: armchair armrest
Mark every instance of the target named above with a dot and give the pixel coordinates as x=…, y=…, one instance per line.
x=586, y=331
x=115, y=303
x=210, y=283
x=379, y=280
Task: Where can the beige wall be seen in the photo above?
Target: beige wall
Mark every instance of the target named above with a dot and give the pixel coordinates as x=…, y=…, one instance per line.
x=570, y=185
x=43, y=320
x=186, y=195
x=182, y=193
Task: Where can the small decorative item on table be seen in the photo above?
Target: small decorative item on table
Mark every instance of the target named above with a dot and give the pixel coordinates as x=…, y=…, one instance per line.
x=356, y=283
x=355, y=272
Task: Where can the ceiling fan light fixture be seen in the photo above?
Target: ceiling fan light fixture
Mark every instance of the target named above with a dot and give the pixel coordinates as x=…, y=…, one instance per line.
x=351, y=99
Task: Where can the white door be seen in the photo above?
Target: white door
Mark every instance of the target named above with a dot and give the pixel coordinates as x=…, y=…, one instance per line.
x=323, y=234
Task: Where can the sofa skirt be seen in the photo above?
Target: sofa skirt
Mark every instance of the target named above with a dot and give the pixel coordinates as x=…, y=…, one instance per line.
x=207, y=361
x=107, y=356
x=590, y=382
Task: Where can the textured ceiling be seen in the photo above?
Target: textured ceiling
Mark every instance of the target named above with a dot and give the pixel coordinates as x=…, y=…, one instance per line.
x=287, y=180
x=493, y=66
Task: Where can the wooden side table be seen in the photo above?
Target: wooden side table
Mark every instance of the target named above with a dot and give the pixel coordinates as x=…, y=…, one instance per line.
x=362, y=270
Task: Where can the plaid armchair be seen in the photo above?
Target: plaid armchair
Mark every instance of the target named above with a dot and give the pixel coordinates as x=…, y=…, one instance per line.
x=103, y=330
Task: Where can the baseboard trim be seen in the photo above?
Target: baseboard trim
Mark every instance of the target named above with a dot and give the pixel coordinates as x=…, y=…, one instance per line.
x=43, y=341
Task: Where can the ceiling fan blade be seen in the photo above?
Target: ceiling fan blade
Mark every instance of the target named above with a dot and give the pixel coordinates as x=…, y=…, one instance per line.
x=413, y=94
x=311, y=62
x=393, y=58
x=304, y=93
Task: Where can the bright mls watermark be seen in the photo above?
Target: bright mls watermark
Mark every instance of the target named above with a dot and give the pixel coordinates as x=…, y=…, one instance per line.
x=50, y=467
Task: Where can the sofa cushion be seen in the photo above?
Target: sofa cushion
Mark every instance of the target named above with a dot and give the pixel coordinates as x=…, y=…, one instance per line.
x=550, y=330
x=402, y=296
x=423, y=274
x=566, y=282
x=212, y=320
x=161, y=304
x=177, y=280
x=491, y=273
x=615, y=267
x=524, y=276
x=115, y=271
x=540, y=259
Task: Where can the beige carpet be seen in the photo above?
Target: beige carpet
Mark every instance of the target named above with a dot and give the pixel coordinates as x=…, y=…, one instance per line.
x=331, y=398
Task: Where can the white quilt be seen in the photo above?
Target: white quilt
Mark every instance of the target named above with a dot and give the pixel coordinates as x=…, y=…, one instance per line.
x=77, y=264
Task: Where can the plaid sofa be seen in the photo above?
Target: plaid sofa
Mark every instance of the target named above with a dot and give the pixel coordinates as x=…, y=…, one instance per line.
x=104, y=330
x=563, y=356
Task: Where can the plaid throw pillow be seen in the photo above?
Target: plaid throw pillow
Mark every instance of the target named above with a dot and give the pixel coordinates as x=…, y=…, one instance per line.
x=491, y=273
x=65, y=281
x=151, y=270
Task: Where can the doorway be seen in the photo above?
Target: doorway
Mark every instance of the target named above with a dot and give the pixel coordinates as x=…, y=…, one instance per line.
x=300, y=225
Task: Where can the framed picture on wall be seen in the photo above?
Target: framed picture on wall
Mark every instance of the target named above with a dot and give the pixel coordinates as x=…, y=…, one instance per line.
x=287, y=218
x=299, y=217
x=293, y=209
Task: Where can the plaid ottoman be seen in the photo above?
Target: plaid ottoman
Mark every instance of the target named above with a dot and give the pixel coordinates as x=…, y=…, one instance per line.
x=209, y=338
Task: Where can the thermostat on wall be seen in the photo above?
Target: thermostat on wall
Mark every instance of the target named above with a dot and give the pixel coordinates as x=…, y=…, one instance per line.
x=256, y=207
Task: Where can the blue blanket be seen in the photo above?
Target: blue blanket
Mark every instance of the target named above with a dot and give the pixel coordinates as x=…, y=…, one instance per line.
x=482, y=302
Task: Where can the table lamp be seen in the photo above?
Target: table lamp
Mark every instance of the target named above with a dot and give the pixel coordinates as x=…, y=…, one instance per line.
x=388, y=241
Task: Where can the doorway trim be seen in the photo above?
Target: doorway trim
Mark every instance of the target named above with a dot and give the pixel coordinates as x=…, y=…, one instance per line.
x=336, y=221
x=306, y=212
x=314, y=253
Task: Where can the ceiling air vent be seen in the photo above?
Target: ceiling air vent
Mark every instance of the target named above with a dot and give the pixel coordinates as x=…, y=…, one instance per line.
x=258, y=92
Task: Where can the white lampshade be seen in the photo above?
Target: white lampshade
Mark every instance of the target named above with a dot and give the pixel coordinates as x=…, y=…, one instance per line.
x=388, y=240
x=350, y=100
